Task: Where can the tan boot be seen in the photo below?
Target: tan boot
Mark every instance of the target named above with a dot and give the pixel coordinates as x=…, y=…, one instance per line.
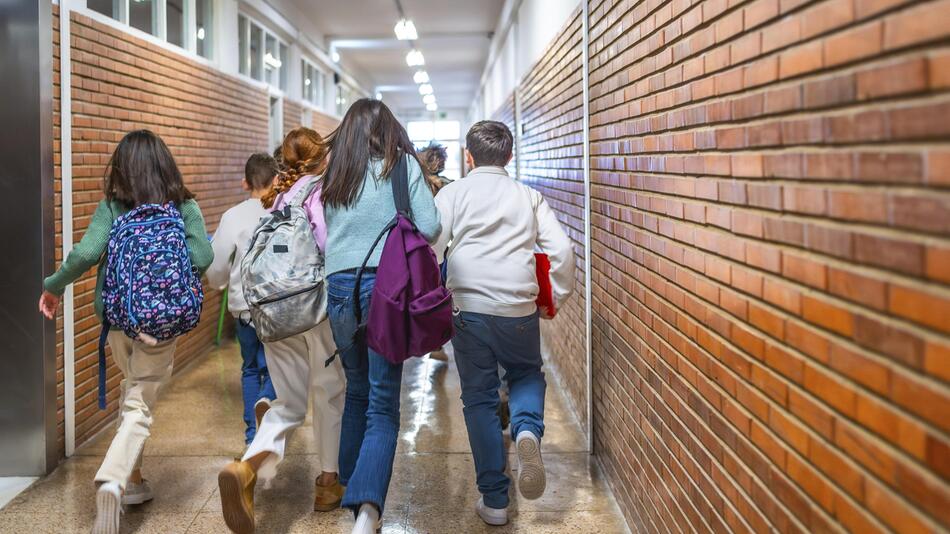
x=236, y=486
x=327, y=497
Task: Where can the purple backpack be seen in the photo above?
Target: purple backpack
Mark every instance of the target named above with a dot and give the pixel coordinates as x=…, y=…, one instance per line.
x=410, y=313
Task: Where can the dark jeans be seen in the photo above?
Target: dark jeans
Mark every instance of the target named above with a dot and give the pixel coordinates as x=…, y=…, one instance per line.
x=255, y=380
x=371, y=413
x=482, y=343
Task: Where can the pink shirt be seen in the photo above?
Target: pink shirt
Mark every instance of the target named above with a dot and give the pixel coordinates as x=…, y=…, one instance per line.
x=313, y=206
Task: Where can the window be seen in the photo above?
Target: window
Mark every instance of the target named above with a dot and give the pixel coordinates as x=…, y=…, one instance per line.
x=142, y=15
x=313, y=82
x=445, y=133
x=276, y=123
x=345, y=95
x=175, y=22
x=166, y=19
x=203, y=34
x=244, y=63
x=261, y=54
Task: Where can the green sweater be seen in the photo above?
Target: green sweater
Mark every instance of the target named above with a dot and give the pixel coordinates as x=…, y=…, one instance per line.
x=91, y=250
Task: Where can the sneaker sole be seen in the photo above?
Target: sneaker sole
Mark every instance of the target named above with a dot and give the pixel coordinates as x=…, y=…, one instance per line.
x=531, y=478
x=495, y=522
x=108, y=508
x=136, y=499
x=236, y=514
x=326, y=507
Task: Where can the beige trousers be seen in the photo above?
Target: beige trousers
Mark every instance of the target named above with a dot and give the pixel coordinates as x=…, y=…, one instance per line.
x=145, y=370
x=298, y=370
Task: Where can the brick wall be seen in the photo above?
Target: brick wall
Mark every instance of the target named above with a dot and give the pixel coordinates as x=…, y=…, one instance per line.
x=211, y=123
x=551, y=161
x=323, y=123
x=770, y=260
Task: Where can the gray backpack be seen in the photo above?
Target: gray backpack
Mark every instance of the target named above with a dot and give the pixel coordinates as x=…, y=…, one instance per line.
x=283, y=272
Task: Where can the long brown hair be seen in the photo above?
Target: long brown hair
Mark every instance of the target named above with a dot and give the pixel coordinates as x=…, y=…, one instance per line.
x=143, y=171
x=303, y=153
x=369, y=131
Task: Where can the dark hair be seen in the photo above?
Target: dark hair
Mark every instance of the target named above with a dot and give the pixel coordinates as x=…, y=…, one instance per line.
x=489, y=143
x=433, y=158
x=279, y=158
x=303, y=153
x=369, y=131
x=143, y=171
x=259, y=171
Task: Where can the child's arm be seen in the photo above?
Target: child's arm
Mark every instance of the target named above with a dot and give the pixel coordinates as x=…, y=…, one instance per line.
x=222, y=244
x=424, y=213
x=445, y=202
x=553, y=241
x=196, y=236
x=84, y=254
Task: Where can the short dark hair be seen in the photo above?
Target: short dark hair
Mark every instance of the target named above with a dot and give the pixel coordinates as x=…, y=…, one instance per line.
x=143, y=171
x=259, y=171
x=433, y=158
x=489, y=142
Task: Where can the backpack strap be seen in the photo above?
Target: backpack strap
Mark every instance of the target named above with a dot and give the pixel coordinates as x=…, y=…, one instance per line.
x=103, y=336
x=399, y=178
x=304, y=193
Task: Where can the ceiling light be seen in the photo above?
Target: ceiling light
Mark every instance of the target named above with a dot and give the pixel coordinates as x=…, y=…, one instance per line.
x=420, y=76
x=335, y=56
x=272, y=61
x=432, y=107
x=201, y=34
x=425, y=89
x=406, y=30
x=428, y=99
x=306, y=82
x=415, y=59
x=379, y=96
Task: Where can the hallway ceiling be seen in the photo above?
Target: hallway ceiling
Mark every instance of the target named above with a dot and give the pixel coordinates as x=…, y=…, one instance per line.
x=454, y=37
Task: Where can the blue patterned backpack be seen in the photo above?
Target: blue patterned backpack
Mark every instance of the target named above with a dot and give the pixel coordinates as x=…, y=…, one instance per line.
x=151, y=291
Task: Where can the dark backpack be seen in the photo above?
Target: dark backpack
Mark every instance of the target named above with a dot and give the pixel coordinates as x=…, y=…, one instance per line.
x=150, y=291
x=410, y=313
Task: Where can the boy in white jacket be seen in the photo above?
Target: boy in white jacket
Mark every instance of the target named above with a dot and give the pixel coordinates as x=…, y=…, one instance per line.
x=495, y=225
x=230, y=242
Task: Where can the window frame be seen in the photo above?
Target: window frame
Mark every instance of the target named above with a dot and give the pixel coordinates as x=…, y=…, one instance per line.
x=317, y=83
x=282, y=76
x=159, y=24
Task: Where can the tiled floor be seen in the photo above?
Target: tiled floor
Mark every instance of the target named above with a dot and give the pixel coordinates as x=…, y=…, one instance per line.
x=198, y=429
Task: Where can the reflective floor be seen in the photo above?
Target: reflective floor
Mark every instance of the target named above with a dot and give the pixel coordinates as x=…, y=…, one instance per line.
x=198, y=429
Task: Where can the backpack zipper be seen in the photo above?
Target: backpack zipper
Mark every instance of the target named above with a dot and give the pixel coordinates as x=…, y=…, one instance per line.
x=288, y=293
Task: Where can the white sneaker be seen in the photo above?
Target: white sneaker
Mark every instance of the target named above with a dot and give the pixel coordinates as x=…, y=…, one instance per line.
x=108, y=509
x=137, y=493
x=492, y=516
x=531, y=479
x=368, y=520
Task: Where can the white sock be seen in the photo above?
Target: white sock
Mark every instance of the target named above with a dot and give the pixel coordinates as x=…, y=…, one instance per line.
x=367, y=520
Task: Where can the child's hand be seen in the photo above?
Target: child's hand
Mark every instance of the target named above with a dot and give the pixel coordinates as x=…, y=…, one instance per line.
x=547, y=312
x=48, y=304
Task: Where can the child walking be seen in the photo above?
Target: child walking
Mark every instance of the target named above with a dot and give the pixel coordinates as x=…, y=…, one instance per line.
x=230, y=242
x=494, y=225
x=300, y=366
x=359, y=203
x=141, y=171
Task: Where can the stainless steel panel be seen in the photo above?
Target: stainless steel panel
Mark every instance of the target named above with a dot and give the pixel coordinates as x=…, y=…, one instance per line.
x=27, y=340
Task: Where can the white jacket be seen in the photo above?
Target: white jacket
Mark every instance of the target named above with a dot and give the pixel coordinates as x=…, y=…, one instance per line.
x=495, y=224
x=230, y=243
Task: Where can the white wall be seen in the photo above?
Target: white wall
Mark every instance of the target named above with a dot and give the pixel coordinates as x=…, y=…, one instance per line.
x=524, y=32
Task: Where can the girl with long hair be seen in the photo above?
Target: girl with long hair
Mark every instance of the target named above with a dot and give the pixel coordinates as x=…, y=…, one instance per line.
x=358, y=203
x=300, y=366
x=141, y=171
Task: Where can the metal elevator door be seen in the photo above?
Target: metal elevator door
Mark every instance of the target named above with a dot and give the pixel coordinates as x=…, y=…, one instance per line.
x=28, y=422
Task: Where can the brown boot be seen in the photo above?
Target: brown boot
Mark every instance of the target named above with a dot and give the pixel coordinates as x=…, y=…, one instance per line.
x=236, y=486
x=327, y=497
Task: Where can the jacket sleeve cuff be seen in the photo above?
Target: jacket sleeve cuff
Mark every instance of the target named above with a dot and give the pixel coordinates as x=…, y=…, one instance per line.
x=52, y=284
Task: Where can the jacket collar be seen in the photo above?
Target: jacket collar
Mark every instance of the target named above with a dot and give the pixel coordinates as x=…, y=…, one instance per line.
x=489, y=169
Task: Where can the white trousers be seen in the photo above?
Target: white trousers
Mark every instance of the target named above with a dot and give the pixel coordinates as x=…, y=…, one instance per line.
x=298, y=370
x=146, y=370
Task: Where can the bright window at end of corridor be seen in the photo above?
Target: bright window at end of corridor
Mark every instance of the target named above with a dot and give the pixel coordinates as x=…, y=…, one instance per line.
x=445, y=133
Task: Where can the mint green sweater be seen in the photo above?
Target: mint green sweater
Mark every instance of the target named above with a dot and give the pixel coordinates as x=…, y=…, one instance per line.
x=91, y=249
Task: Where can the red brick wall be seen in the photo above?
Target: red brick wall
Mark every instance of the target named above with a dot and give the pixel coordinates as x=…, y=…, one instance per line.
x=551, y=161
x=770, y=260
x=323, y=123
x=210, y=121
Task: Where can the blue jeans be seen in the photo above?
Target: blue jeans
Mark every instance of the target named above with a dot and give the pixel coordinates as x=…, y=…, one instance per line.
x=371, y=412
x=482, y=343
x=255, y=380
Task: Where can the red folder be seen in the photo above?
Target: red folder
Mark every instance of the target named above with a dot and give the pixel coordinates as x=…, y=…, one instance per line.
x=545, y=300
